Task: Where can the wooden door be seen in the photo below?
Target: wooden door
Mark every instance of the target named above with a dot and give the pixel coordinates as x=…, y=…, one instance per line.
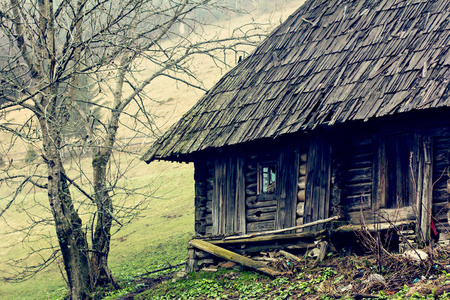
x=228, y=206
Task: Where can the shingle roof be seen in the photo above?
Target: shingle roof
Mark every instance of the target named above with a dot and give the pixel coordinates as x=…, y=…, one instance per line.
x=330, y=62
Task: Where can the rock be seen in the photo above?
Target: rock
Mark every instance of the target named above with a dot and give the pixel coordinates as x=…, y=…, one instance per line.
x=314, y=253
x=373, y=278
x=181, y=274
x=346, y=288
x=416, y=255
x=227, y=264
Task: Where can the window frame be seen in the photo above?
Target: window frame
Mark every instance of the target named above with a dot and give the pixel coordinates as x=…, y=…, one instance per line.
x=261, y=166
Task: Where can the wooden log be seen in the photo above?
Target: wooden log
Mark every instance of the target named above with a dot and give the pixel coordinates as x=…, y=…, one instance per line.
x=290, y=256
x=318, y=222
x=264, y=247
x=260, y=210
x=323, y=247
x=250, y=178
x=302, y=170
x=264, y=258
x=200, y=200
x=383, y=215
x=260, y=226
x=261, y=216
x=372, y=228
x=302, y=179
x=301, y=184
x=255, y=202
x=303, y=157
x=270, y=238
x=231, y=256
x=301, y=196
x=200, y=213
x=250, y=189
x=300, y=209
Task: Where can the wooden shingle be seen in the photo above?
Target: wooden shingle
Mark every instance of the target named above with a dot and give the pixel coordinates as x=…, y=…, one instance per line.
x=330, y=62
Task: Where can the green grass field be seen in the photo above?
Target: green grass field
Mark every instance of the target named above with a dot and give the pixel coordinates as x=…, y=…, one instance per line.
x=157, y=237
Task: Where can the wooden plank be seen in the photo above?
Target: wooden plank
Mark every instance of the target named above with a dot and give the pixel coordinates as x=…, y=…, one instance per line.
x=216, y=198
x=260, y=226
x=263, y=216
x=231, y=256
x=287, y=197
x=261, y=210
x=268, y=238
x=311, y=224
x=359, y=175
x=359, y=188
x=379, y=226
x=230, y=207
x=240, y=195
x=318, y=182
x=254, y=202
x=382, y=215
x=427, y=192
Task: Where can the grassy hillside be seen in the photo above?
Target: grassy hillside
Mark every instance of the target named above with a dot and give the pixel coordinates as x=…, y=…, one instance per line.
x=158, y=236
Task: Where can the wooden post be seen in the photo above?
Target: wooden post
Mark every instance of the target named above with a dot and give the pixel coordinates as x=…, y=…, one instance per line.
x=427, y=190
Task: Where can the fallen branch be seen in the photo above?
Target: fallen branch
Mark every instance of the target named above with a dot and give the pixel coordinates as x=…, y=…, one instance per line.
x=163, y=269
x=290, y=256
x=318, y=222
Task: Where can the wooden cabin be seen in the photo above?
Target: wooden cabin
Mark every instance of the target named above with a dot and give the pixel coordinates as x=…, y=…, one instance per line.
x=342, y=111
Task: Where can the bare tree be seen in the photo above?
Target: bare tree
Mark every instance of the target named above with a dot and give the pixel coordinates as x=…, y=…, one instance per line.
x=53, y=53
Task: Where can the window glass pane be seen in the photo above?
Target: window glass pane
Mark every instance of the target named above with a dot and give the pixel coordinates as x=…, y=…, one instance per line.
x=268, y=179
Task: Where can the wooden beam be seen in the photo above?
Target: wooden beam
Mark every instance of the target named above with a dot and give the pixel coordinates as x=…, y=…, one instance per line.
x=372, y=227
x=268, y=238
x=231, y=256
x=284, y=229
x=427, y=189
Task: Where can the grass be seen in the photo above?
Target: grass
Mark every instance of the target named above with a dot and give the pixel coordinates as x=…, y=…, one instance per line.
x=157, y=237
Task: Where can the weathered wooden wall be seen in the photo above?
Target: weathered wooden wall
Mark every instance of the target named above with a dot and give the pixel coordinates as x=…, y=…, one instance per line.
x=441, y=175
x=276, y=210
x=204, y=181
x=318, y=180
x=324, y=175
x=301, y=187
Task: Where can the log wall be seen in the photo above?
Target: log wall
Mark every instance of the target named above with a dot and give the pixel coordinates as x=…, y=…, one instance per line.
x=301, y=188
x=261, y=210
x=441, y=172
x=204, y=181
x=358, y=177
x=322, y=178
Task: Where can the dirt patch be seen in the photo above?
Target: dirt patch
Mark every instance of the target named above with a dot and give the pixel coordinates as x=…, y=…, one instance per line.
x=173, y=216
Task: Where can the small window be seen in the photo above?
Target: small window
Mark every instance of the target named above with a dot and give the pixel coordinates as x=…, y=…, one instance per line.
x=268, y=178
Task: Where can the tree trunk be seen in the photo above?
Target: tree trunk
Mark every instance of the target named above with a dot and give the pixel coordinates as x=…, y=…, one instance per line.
x=71, y=237
x=101, y=239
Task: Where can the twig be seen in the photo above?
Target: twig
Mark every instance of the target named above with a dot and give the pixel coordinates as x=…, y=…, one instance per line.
x=163, y=269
